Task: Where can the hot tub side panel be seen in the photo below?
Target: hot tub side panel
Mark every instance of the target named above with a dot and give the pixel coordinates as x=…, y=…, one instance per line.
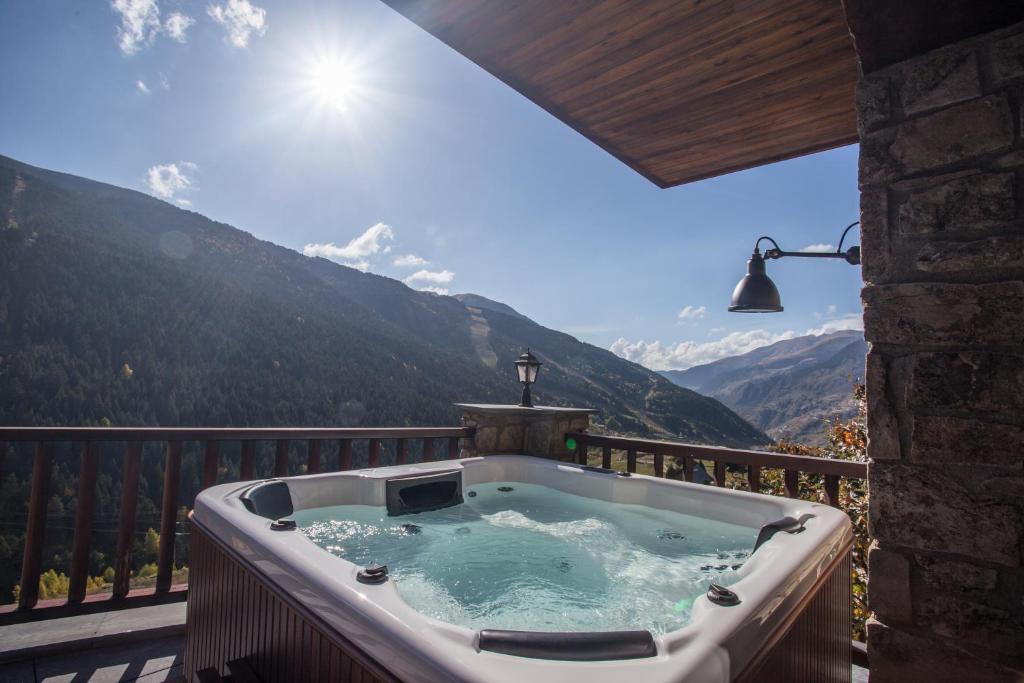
x=234, y=614
x=815, y=646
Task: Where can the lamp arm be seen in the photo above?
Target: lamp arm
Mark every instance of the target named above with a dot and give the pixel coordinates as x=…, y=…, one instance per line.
x=851, y=255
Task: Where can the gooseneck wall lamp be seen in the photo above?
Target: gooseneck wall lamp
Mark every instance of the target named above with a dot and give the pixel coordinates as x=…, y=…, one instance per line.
x=756, y=293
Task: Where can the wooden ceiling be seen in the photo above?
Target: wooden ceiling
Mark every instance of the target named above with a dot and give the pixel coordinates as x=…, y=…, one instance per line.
x=679, y=90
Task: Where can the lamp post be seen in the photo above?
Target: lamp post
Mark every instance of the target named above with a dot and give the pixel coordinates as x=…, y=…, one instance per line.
x=756, y=293
x=527, y=367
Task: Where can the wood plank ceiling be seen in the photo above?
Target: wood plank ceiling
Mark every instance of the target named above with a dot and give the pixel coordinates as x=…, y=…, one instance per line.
x=679, y=90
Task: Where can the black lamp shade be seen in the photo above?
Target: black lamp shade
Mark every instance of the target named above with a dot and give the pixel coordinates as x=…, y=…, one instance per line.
x=527, y=367
x=755, y=293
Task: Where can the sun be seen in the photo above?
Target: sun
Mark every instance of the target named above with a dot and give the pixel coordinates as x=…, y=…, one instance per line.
x=334, y=82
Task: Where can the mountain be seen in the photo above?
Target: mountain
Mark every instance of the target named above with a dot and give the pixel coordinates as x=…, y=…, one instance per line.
x=789, y=388
x=116, y=306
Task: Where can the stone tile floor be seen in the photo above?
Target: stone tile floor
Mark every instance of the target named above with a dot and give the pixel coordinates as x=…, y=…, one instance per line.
x=145, y=662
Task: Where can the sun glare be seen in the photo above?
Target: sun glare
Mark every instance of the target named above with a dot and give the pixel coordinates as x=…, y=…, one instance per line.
x=334, y=83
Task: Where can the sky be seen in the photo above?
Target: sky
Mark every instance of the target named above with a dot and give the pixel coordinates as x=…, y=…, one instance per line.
x=339, y=129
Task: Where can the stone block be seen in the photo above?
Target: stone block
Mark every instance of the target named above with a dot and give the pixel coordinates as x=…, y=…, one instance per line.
x=975, y=381
x=955, y=440
x=874, y=235
x=1007, y=58
x=939, y=79
x=928, y=508
x=889, y=585
x=960, y=133
x=969, y=622
x=945, y=574
x=486, y=439
x=991, y=253
x=960, y=204
x=901, y=657
x=937, y=314
x=883, y=432
x=874, y=103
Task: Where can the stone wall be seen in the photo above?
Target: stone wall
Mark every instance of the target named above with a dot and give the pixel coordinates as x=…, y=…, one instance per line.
x=536, y=431
x=942, y=211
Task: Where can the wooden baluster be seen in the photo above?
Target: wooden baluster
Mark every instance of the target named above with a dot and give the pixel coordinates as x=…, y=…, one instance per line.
x=126, y=519
x=631, y=460
x=719, y=473
x=832, y=489
x=373, y=455
x=344, y=455
x=659, y=465
x=428, y=449
x=3, y=458
x=281, y=459
x=211, y=461
x=168, y=517
x=453, y=448
x=606, y=457
x=313, y=457
x=581, y=453
x=84, y=511
x=32, y=561
x=247, y=467
x=687, y=468
x=401, y=452
x=754, y=478
x=792, y=478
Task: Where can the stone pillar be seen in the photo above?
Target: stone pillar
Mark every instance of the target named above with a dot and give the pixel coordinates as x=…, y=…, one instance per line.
x=516, y=430
x=942, y=182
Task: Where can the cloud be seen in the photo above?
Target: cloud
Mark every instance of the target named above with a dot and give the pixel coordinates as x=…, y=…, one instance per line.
x=686, y=354
x=440, y=291
x=240, y=19
x=140, y=23
x=167, y=180
x=143, y=88
x=177, y=24
x=819, y=247
x=410, y=261
x=434, y=277
x=692, y=313
x=184, y=203
x=831, y=309
x=355, y=253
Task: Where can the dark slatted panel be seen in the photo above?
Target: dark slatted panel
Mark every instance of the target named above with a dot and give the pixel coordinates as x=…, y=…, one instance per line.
x=233, y=614
x=816, y=647
x=83, y=521
x=168, y=517
x=677, y=90
x=36, y=528
x=126, y=518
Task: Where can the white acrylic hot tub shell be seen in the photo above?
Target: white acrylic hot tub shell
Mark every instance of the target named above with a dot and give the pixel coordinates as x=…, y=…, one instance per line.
x=715, y=646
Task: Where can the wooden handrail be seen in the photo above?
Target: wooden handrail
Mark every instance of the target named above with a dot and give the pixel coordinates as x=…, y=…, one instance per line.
x=732, y=456
x=88, y=439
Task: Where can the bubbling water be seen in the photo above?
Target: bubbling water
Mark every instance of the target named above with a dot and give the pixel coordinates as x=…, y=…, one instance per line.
x=536, y=559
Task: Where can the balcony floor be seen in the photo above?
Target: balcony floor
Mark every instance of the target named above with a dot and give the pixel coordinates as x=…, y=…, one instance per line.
x=143, y=645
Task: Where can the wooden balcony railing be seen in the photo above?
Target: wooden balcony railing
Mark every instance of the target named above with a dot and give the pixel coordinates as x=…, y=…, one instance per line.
x=754, y=461
x=89, y=439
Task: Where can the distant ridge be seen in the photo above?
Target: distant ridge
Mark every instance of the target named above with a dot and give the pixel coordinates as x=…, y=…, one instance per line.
x=789, y=388
x=116, y=306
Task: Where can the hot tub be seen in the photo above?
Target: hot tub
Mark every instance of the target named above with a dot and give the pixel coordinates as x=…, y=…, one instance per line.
x=514, y=568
